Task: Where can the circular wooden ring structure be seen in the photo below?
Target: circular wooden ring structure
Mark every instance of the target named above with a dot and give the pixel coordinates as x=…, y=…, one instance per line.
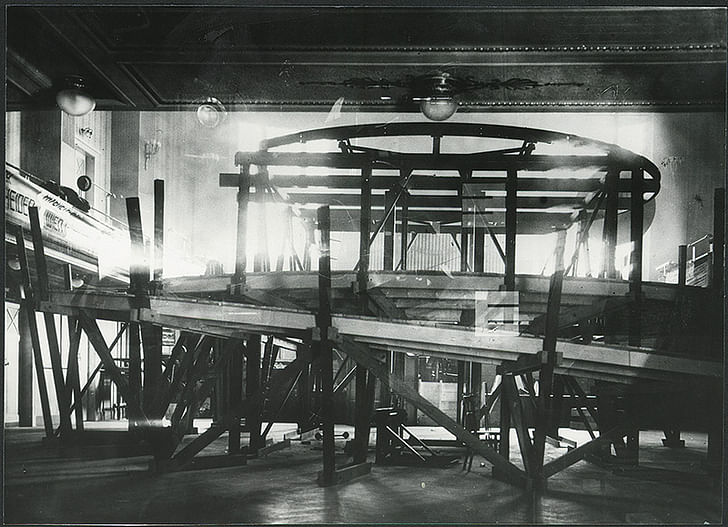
x=550, y=179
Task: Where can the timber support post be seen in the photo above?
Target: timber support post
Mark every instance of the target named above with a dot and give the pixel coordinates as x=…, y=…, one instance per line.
x=324, y=349
x=511, y=228
x=635, y=275
x=63, y=396
x=238, y=281
x=28, y=306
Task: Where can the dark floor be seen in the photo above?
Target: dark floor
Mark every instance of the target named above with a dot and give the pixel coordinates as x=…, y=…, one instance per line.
x=43, y=487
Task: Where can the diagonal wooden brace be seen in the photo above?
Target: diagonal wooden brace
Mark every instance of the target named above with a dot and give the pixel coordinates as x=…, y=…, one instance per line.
x=361, y=355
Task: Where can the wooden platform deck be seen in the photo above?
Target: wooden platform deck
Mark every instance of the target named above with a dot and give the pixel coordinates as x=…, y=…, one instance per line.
x=283, y=304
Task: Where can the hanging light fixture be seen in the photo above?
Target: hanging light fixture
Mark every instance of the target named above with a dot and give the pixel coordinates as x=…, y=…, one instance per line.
x=211, y=112
x=437, y=95
x=439, y=108
x=73, y=98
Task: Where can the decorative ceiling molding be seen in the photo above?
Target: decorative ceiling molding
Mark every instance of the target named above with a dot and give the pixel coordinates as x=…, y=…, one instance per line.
x=147, y=58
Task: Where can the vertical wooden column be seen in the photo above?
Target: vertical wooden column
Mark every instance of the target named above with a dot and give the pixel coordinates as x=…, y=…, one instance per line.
x=714, y=458
x=609, y=232
x=25, y=367
x=460, y=388
x=365, y=222
x=158, y=228
x=304, y=399
x=221, y=406
x=27, y=303
x=389, y=203
x=138, y=269
x=635, y=275
x=404, y=230
x=717, y=275
x=511, y=228
x=479, y=250
x=62, y=395
x=544, y=404
x=682, y=265
x=410, y=369
x=476, y=383
x=464, y=230
x=326, y=360
x=238, y=284
x=151, y=336
x=361, y=413
x=135, y=376
x=504, y=445
x=234, y=355
x=73, y=380
x=252, y=387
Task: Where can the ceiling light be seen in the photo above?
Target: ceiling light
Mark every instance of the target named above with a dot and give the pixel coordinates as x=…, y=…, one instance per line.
x=211, y=112
x=438, y=108
x=73, y=99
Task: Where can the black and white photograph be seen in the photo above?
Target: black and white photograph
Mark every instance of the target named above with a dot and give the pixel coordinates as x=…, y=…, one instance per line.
x=364, y=263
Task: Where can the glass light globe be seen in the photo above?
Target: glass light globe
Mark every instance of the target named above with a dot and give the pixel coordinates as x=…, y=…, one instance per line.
x=75, y=102
x=211, y=112
x=439, y=109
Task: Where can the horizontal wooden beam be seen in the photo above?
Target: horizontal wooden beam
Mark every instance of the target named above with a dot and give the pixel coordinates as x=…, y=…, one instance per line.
x=447, y=221
x=435, y=202
x=439, y=182
x=482, y=161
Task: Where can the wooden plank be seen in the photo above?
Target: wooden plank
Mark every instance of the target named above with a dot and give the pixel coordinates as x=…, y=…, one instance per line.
x=323, y=348
x=404, y=230
x=479, y=161
x=511, y=229
x=252, y=387
x=96, y=339
x=158, y=228
x=275, y=447
x=235, y=357
x=516, y=411
x=609, y=232
x=238, y=281
x=202, y=462
x=135, y=374
x=454, y=282
x=362, y=355
x=63, y=396
x=389, y=204
x=28, y=304
x=635, y=275
x=421, y=181
x=197, y=444
x=544, y=406
x=344, y=474
x=98, y=367
x=578, y=453
x=478, y=204
x=72, y=374
x=365, y=220
x=138, y=266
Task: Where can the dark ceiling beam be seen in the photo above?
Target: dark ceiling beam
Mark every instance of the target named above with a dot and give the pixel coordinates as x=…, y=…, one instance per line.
x=25, y=75
x=424, y=57
x=70, y=30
